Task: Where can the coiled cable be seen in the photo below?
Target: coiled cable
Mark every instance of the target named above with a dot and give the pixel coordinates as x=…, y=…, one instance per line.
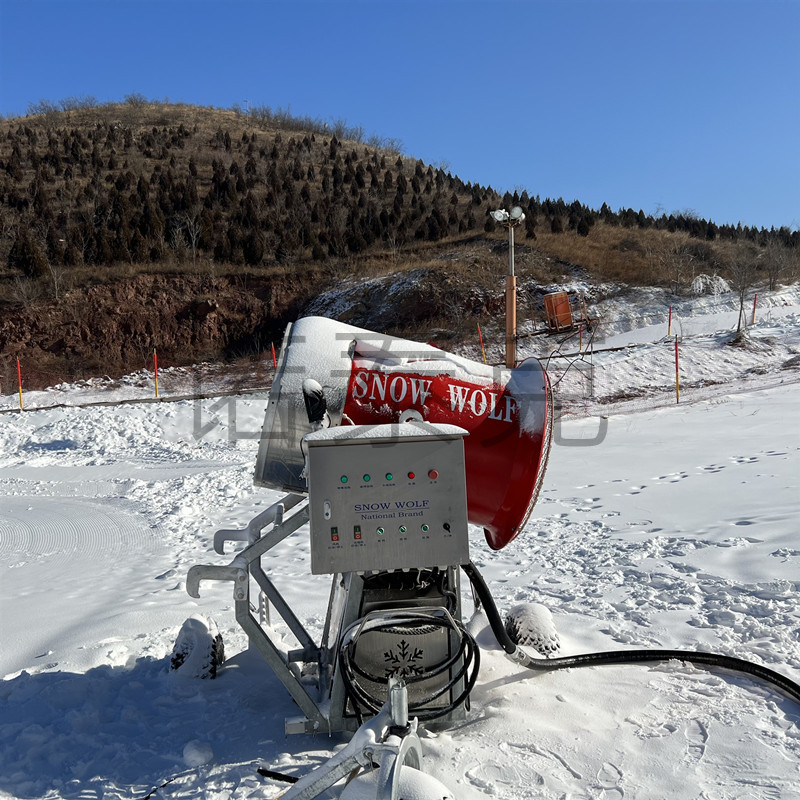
x=462, y=666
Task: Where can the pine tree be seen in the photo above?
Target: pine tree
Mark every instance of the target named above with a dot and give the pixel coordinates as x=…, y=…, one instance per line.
x=26, y=255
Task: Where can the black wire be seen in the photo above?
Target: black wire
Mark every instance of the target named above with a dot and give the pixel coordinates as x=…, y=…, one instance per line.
x=572, y=362
x=467, y=653
x=787, y=685
x=372, y=703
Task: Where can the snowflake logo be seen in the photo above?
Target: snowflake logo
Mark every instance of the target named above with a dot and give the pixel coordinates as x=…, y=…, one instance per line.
x=402, y=660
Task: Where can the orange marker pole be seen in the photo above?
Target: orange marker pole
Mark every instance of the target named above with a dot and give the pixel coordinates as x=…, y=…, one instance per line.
x=155, y=368
x=580, y=339
x=274, y=360
x=480, y=338
x=677, y=375
x=669, y=323
x=19, y=383
x=755, y=300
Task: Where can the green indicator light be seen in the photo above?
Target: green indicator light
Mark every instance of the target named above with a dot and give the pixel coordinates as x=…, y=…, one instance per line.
x=425, y=528
x=343, y=479
x=389, y=476
x=380, y=531
x=367, y=478
x=403, y=529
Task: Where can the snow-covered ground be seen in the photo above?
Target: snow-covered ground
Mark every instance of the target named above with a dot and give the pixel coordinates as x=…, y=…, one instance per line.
x=661, y=524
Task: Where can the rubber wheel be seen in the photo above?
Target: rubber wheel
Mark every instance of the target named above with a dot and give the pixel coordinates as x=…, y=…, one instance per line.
x=199, y=650
x=531, y=624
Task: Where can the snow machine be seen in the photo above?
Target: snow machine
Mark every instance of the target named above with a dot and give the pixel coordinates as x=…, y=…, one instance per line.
x=388, y=449
x=368, y=378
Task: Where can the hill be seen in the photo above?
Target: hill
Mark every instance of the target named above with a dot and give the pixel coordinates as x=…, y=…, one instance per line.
x=126, y=227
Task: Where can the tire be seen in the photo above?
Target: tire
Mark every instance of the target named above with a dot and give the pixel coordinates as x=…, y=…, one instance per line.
x=532, y=624
x=199, y=650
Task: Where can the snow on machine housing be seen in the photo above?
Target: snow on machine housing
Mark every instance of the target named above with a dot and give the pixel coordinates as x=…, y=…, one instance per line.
x=370, y=379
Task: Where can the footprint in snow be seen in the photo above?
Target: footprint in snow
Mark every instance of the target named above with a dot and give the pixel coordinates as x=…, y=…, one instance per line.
x=491, y=776
x=609, y=778
x=696, y=739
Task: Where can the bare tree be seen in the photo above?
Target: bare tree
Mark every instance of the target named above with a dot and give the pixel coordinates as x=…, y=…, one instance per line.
x=743, y=271
x=776, y=263
x=26, y=291
x=675, y=262
x=395, y=246
x=190, y=222
x=58, y=275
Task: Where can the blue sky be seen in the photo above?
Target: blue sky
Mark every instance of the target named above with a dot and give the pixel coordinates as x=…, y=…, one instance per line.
x=666, y=105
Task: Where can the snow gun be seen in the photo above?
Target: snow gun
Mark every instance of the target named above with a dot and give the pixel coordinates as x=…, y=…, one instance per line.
x=332, y=374
x=388, y=450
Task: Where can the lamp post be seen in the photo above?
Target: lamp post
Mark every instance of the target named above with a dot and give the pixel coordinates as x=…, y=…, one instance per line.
x=510, y=219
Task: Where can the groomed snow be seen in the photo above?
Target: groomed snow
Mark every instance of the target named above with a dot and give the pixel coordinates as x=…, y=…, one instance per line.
x=659, y=525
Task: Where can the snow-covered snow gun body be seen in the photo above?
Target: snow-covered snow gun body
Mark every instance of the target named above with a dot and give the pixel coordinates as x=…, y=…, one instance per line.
x=372, y=379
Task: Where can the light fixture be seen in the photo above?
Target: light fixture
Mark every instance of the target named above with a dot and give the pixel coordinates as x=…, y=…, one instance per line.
x=500, y=216
x=517, y=214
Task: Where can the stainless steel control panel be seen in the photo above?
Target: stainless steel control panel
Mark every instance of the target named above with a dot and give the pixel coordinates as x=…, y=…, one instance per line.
x=387, y=497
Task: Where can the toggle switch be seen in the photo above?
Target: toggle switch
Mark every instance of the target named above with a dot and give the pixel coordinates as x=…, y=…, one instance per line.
x=326, y=509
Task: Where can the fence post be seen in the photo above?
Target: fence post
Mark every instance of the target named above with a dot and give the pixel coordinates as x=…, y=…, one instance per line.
x=19, y=383
x=155, y=368
x=480, y=338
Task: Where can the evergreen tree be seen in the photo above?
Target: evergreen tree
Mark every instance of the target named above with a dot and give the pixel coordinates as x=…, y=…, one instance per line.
x=26, y=255
x=253, y=247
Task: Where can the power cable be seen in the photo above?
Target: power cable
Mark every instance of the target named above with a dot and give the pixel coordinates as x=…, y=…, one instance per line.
x=516, y=653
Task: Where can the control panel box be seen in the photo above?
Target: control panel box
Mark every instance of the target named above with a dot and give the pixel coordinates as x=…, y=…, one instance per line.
x=384, y=497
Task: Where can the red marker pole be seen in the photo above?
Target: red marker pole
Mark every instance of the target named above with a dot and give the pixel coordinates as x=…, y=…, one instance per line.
x=155, y=368
x=669, y=323
x=755, y=300
x=480, y=339
x=274, y=360
x=19, y=383
x=677, y=375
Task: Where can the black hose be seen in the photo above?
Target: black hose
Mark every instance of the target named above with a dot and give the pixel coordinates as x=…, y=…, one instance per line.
x=485, y=598
x=277, y=776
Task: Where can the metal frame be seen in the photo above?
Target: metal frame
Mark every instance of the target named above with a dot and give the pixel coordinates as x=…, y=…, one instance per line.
x=387, y=738
x=247, y=563
x=344, y=608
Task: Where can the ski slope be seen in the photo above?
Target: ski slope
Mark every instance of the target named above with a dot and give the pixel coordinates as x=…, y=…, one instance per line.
x=660, y=524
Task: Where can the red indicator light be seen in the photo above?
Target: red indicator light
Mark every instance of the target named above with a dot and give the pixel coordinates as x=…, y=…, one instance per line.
x=433, y=474
x=412, y=475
